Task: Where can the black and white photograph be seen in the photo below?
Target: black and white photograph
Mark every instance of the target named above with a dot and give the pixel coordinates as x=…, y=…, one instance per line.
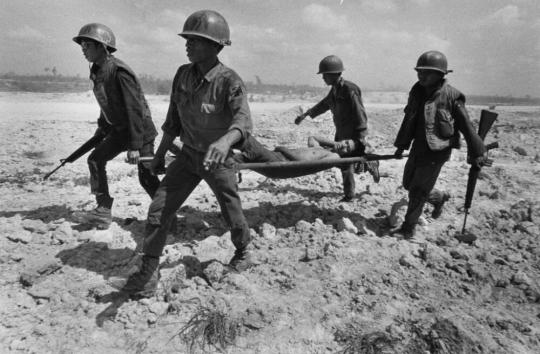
x=270, y=176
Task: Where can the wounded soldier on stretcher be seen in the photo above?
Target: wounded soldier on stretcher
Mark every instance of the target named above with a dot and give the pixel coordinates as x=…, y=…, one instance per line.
x=252, y=151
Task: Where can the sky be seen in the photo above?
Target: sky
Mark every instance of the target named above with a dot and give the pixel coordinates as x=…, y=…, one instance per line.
x=493, y=46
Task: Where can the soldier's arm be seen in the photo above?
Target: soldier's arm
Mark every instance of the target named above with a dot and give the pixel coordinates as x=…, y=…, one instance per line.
x=130, y=92
x=359, y=117
x=475, y=145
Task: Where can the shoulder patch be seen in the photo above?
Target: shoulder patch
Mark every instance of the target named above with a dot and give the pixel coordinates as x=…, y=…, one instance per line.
x=237, y=91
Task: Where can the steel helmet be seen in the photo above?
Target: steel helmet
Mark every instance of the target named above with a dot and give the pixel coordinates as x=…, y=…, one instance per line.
x=331, y=65
x=208, y=24
x=433, y=60
x=99, y=33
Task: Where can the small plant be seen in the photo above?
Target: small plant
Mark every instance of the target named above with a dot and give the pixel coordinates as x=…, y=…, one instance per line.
x=209, y=327
x=366, y=343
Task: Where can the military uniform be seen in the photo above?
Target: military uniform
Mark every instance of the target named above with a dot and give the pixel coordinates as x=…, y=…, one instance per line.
x=345, y=102
x=202, y=109
x=433, y=125
x=126, y=123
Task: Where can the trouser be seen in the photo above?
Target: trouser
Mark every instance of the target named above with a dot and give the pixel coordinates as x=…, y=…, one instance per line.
x=181, y=178
x=347, y=172
x=107, y=150
x=419, y=180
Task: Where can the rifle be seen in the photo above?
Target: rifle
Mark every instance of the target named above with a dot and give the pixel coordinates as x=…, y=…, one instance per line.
x=487, y=118
x=87, y=146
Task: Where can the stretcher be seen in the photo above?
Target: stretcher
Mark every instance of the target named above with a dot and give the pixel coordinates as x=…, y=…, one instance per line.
x=292, y=169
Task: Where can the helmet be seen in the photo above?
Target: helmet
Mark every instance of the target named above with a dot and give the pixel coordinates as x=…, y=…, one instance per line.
x=99, y=33
x=207, y=24
x=330, y=65
x=433, y=60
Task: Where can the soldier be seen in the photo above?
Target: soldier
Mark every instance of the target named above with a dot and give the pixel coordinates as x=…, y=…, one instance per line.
x=350, y=120
x=434, y=116
x=124, y=123
x=210, y=114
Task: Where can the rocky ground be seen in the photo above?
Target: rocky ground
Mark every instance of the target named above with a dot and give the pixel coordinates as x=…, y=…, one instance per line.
x=328, y=277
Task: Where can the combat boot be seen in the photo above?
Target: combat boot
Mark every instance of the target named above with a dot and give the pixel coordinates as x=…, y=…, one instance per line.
x=406, y=231
x=100, y=217
x=438, y=206
x=241, y=260
x=144, y=282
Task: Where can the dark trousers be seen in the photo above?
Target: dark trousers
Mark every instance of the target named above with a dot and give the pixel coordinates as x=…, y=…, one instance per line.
x=347, y=172
x=183, y=175
x=419, y=180
x=107, y=150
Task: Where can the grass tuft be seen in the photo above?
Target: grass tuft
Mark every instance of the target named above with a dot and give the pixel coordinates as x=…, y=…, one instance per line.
x=367, y=343
x=209, y=328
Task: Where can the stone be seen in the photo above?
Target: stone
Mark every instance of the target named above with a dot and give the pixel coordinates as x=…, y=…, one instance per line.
x=513, y=257
x=104, y=236
x=311, y=253
x=214, y=272
x=345, y=224
x=394, y=220
x=268, y=231
x=302, y=226
x=520, y=150
x=37, y=226
x=158, y=308
x=63, y=233
x=41, y=292
x=408, y=260
x=21, y=236
x=520, y=278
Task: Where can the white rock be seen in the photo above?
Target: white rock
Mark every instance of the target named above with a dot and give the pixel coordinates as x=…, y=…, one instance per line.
x=345, y=224
x=63, y=233
x=22, y=236
x=105, y=236
x=422, y=221
x=268, y=231
x=521, y=278
x=34, y=226
x=159, y=308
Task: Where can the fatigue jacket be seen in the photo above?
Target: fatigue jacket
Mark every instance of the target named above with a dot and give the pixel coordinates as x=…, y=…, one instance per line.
x=435, y=123
x=349, y=115
x=203, y=108
x=123, y=106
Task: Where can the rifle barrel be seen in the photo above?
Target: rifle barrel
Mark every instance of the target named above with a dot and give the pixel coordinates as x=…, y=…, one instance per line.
x=53, y=171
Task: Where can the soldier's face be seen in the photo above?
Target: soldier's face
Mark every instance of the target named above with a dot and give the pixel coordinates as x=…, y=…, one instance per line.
x=200, y=49
x=429, y=78
x=330, y=78
x=92, y=50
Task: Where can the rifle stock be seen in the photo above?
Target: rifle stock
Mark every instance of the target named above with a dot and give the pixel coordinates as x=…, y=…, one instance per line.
x=87, y=146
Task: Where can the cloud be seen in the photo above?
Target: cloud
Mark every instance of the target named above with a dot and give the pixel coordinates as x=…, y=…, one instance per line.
x=26, y=33
x=508, y=15
x=323, y=18
x=421, y=2
x=381, y=6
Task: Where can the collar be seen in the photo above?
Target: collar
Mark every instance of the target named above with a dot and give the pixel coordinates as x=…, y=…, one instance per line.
x=214, y=72
x=211, y=74
x=339, y=82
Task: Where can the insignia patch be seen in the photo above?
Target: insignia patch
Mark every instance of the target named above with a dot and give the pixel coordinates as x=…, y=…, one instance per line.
x=237, y=92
